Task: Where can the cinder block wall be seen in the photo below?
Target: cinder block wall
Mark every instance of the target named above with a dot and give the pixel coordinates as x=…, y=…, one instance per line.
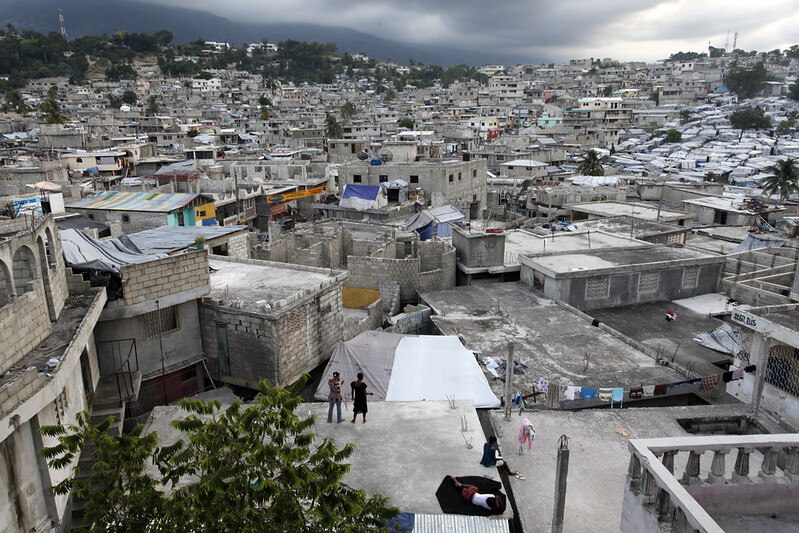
x=24, y=323
x=238, y=246
x=162, y=277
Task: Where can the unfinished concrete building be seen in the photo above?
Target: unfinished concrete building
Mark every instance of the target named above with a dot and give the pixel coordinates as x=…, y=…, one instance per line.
x=372, y=253
x=48, y=368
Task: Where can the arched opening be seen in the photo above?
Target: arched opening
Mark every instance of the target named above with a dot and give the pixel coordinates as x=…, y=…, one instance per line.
x=6, y=292
x=49, y=246
x=24, y=270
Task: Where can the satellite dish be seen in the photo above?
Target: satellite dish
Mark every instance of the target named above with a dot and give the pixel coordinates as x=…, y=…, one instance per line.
x=363, y=156
x=385, y=155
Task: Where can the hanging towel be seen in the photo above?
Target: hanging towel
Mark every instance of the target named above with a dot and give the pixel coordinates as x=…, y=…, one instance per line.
x=518, y=400
x=553, y=396
x=637, y=393
x=726, y=377
x=527, y=434
x=649, y=390
x=710, y=382
x=662, y=389
x=738, y=374
x=572, y=392
x=587, y=393
x=617, y=395
x=543, y=385
x=605, y=393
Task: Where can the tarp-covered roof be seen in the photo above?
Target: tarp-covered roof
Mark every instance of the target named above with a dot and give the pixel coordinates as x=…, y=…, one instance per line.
x=80, y=222
x=82, y=252
x=136, y=201
x=170, y=238
x=363, y=197
x=410, y=368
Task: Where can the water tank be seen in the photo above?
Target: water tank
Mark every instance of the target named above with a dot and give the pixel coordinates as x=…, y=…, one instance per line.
x=467, y=156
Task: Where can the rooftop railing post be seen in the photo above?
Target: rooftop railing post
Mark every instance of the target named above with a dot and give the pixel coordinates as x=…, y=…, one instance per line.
x=691, y=475
x=741, y=472
x=792, y=467
x=634, y=474
x=718, y=468
x=769, y=465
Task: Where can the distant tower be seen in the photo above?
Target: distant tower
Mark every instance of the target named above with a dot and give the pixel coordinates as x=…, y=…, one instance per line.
x=63, y=27
x=735, y=41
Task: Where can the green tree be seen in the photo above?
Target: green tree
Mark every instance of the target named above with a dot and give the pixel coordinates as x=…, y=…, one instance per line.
x=50, y=111
x=406, y=122
x=655, y=97
x=785, y=126
x=16, y=102
x=332, y=127
x=255, y=467
x=591, y=165
x=52, y=92
x=746, y=81
x=203, y=75
x=129, y=97
x=784, y=179
x=750, y=119
x=389, y=95
x=163, y=37
x=673, y=136
x=152, y=105
x=114, y=101
x=348, y=110
x=793, y=94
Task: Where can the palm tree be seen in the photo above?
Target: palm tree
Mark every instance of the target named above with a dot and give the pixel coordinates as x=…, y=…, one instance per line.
x=51, y=112
x=332, y=127
x=348, y=110
x=784, y=179
x=591, y=165
x=16, y=102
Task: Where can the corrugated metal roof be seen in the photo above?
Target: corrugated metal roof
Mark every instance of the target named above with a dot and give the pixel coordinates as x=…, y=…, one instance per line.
x=454, y=523
x=169, y=238
x=136, y=201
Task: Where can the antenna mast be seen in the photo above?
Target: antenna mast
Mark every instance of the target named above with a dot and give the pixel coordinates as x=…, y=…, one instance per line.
x=63, y=27
x=735, y=41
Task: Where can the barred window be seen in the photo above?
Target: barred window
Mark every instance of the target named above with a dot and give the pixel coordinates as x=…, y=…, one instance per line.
x=648, y=282
x=168, y=322
x=675, y=238
x=690, y=277
x=597, y=287
x=782, y=369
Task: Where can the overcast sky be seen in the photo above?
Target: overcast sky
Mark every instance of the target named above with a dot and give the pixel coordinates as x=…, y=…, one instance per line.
x=544, y=30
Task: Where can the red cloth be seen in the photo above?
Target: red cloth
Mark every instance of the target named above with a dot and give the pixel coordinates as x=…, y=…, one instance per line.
x=710, y=382
x=468, y=493
x=662, y=389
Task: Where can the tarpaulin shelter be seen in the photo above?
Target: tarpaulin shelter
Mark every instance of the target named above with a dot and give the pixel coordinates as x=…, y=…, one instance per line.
x=82, y=252
x=363, y=197
x=437, y=220
x=407, y=368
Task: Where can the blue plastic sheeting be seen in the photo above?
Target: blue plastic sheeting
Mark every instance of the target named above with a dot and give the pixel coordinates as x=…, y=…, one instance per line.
x=365, y=192
x=402, y=522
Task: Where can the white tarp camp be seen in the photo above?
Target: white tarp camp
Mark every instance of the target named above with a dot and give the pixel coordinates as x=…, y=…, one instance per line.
x=409, y=368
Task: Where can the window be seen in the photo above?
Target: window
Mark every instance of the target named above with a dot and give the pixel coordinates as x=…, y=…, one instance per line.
x=690, y=277
x=648, y=282
x=168, y=321
x=414, y=179
x=356, y=178
x=459, y=176
x=474, y=173
x=383, y=178
x=79, y=160
x=597, y=287
x=451, y=177
x=125, y=218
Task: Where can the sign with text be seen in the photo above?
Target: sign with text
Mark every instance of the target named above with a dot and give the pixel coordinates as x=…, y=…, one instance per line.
x=775, y=331
x=278, y=198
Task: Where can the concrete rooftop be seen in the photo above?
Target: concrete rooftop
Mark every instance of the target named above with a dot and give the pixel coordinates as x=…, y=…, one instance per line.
x=554, y=343
x=249, y=281
x=623, y=225
x=521, y=242
x=614, y=209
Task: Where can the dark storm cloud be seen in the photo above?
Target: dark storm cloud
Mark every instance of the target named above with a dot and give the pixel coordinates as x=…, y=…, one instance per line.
x=645, y=29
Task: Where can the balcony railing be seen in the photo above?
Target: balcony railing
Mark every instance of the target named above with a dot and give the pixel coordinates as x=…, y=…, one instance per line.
x=653, y=486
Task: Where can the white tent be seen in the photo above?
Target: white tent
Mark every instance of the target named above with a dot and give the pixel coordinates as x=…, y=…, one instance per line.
x=410, y=368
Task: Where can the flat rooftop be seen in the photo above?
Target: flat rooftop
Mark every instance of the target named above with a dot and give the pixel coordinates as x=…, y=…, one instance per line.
x=608, y=260
x=403, y=451
x=553, y=342
x=249, y=282
x=732, y=205
x=637, y=210
x=521, y=242
x=624, y=225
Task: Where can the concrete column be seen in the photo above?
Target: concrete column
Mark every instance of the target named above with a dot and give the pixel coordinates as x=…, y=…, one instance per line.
x=561, y=472
x=634, y=474
x=650, y=488
x=509, y=381
x=717, y=468
x=792, y=468
x=741, y=472
x=691, y=475
x=769, y=466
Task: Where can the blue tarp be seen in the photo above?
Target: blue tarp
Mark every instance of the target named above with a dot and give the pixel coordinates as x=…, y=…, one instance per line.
x=365, y=192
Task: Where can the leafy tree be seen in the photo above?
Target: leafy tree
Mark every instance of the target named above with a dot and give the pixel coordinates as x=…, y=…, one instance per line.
x=793, y=94
x=114, y=101
x=715, y=52
x=673, y=136
x=750, y=119
x=406, y=122
x=50, y=111
x=389, y=95
x=655, y=97
x=685, y=56
x=257, y=467
x=746, y=81
x=685, y=114
x=163, y=37
x=348, y=110
x=152, y=105
x=792, y=52
x=204, y=75
x=332, y=127
x=16, y=102
x=608, y=90
x=785, y=126
x=264, y=101
x=591, y=165
x=129, y=97
x=784, y=179
x=120, y=72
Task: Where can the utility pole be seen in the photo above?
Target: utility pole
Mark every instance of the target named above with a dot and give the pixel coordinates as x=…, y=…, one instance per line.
x=508, y=380
x=561, y=472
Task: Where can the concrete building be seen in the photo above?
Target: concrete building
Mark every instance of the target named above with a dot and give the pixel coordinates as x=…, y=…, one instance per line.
x=48, y=366
x=442, y=181
x=621, y=277
x=593, y=210
x=727, y=211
